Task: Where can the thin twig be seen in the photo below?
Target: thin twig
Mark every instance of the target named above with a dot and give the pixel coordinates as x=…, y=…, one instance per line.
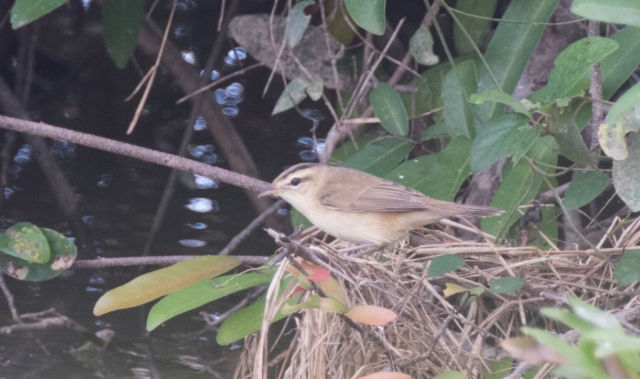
x=9, y=296
x=153, y=70
x=133, y=151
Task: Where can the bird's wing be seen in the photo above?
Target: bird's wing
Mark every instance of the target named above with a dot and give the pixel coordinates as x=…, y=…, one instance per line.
x=385, y=196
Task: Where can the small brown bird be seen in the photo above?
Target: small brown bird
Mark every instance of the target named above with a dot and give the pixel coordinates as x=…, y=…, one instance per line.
x=357, y=207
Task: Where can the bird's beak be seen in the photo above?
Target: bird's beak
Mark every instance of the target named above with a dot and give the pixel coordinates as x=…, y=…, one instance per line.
x=270, y=192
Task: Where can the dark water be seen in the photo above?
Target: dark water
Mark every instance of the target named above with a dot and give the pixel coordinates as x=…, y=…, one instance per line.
x=76, y=86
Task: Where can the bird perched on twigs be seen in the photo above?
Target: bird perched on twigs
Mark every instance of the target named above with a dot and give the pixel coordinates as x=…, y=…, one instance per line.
x=357, y=207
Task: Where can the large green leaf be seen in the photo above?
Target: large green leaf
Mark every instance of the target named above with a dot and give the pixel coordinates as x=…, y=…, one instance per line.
x=438, y=175
x=585, y=188
x=25, y=241
x=519, y=186
x=63, y=254
x=297, y=23
x=610, y=11
x=502, y=98
x=563, y=127
x=248, y=320
x=380, y=156
x=418, y=102
x=444, y=264
x=623, y=118
x=348, y=148
x=475, y=27
x=626, y=175
x=505, y=135
x=615, y=69
x=368, y=14
x=164, y=281
x=121, y=21
x=388, y=106
x=511, y=47
x=26, y=11
x=627, y=268
x=569, y=75
x=458, y=86
x=201, y=293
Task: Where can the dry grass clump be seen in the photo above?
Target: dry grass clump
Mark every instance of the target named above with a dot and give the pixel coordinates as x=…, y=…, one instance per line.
x=432, y=333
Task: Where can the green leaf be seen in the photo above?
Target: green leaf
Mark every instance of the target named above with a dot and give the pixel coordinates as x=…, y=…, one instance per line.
x=248, y=320
x=569, y=75
x=594, y=315
x=500, y=97
x=458, y=86
x=568, y=318
x=438, y=175
x=297, y=23
x=298, y=220
x=585, y=188
x=611, y=11
x=26, y=11
x=506, y=284
x=629, y=100
x=388, y=106
x=627, y=269
x=368, y=14
x=421, y=47
x=626, y=176
x=347, y=149
x=201, y=293
x=572, y=353
x=295, y=92
x=63, y=254
x=444, y=264
x=619, y=65
x=25, y=241
x=615, y=69
x=497, y=369
x=475, y=27
x=121, y=21
x=511, y=47
x=162, y=282
x=562, y=125
x=519, y=186
x=614, y=344
x=451, y=375
x=380, y=156
x=505, y=135
x=418, y=102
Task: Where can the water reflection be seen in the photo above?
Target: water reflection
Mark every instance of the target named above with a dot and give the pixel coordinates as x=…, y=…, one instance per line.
x=202, y=182
x=192, y=243
x=197, y=225
x=23, y=155
x=202, y=205
x=312, y=150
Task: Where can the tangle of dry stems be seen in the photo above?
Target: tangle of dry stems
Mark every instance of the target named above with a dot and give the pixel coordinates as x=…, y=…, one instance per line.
x=432, y=333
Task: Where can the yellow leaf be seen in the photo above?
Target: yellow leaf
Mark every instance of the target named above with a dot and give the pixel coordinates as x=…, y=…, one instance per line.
x=371, y=314
x=453, y=289
x=161, y=282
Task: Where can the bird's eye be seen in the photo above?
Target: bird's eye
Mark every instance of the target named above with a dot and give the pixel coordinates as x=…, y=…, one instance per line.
x=295, y=181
